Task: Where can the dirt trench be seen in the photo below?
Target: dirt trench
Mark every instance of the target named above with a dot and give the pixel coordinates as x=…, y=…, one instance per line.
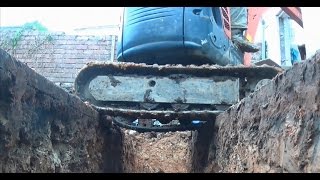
x=170, y=152
x=45, y=129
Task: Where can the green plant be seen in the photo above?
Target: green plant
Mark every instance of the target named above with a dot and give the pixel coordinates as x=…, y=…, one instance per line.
x=17, y=36
x=11, y=40
x=34, y=26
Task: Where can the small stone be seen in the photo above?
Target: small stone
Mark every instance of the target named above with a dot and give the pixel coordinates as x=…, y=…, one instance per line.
x=132, y=132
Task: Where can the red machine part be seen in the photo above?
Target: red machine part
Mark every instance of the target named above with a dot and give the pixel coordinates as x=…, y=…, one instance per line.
x=225, y=11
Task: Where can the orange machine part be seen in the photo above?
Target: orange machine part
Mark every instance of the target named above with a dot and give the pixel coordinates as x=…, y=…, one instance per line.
x=254, y=16
x=294, y=13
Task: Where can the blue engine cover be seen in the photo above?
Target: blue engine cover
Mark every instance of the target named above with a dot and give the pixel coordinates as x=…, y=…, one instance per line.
x=175, y=35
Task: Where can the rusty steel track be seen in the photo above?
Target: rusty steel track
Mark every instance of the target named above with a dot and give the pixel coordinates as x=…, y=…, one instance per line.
x=94, y=69
x=130, y=115
x=156, y=114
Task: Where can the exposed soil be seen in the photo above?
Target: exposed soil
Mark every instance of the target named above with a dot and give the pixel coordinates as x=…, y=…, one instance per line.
x=275, y=129
x=157, y=152
x=45, y=129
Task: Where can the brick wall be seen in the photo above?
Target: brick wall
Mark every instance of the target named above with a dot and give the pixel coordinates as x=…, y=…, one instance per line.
x=57, y=56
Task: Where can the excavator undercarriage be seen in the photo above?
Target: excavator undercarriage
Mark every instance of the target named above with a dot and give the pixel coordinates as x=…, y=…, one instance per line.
x=166, y=97
x=177, y=69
